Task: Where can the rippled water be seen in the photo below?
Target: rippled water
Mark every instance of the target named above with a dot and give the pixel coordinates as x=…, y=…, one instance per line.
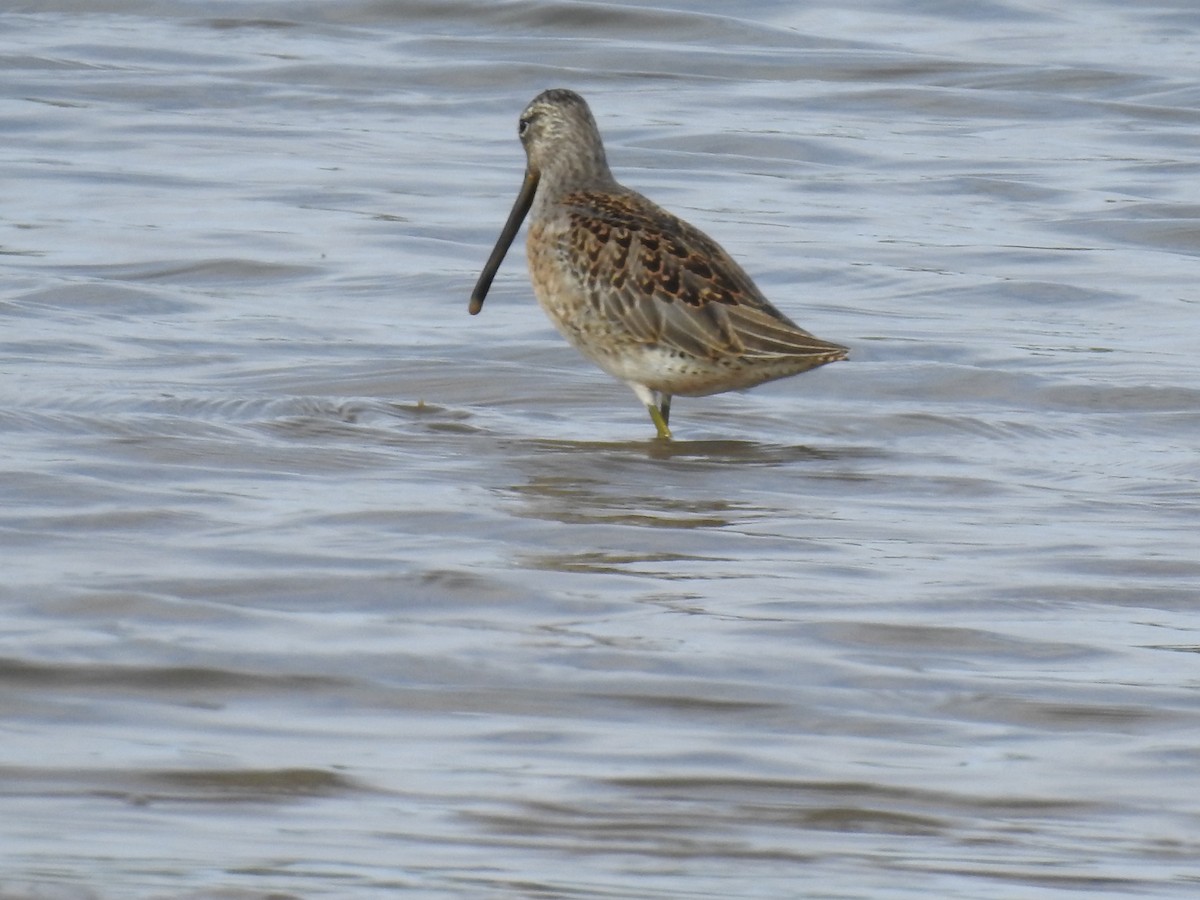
x=318, y=587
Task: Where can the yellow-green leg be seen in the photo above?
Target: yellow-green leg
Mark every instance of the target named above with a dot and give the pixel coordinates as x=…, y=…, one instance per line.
x=659, y=415
x=658, y=405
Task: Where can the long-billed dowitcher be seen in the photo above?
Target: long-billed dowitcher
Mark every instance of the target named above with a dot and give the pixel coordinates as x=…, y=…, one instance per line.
x=649, y=298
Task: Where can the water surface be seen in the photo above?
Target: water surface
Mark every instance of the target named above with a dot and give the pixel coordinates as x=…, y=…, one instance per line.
x=318, y=587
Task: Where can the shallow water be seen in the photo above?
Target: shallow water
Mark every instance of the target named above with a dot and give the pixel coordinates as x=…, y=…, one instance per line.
x=319, y=587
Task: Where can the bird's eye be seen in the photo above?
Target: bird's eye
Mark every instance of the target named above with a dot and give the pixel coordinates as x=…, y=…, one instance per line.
x=523, y=126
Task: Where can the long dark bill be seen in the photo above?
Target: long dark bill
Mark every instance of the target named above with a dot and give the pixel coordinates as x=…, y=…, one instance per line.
x=511, y=227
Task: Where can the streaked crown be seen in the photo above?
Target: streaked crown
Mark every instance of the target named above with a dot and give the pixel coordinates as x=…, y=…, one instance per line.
x=562, y=142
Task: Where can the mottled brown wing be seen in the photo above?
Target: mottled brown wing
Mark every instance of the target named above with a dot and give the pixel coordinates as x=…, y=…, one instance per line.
x=672, y=285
